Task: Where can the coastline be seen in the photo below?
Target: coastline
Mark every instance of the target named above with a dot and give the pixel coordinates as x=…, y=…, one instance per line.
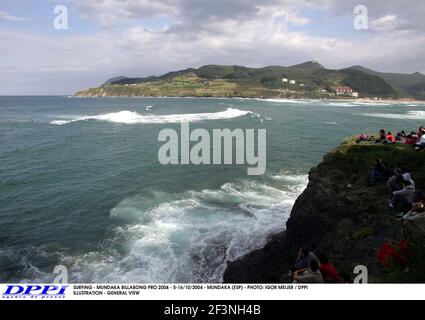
x=365, y=101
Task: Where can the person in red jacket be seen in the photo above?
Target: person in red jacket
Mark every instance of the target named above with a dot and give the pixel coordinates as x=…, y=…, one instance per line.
x=328, y=271
x=390, y=137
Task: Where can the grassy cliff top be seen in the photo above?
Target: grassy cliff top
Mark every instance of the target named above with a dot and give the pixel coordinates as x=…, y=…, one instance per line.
x=359, y=157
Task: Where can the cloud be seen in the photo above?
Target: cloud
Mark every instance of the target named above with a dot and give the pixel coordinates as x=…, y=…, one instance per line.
x=249, y=32
x=296, y=20
x=185, y=14
x=7, y=16
x=111, y=12
x=388, y=22
x=409, y=15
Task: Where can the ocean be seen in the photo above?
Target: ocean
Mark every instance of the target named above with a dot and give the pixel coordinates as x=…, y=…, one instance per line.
x=81, y=184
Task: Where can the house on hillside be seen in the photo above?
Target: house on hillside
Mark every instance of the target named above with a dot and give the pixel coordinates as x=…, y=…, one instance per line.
x=285, y=80
x=292, y=82
x=342, y=91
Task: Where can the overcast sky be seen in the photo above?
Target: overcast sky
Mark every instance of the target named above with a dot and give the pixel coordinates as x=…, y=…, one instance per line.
x=107, y=38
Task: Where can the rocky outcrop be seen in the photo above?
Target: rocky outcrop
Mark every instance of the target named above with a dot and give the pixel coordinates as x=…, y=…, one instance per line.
x=337, y=214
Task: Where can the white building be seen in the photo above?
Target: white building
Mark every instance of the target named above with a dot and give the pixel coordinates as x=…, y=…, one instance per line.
x=285, y=80
x=355, y=95
x=292, y=82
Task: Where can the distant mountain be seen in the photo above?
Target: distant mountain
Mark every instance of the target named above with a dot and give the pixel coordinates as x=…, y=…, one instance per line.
x=312, y=80
x=406, y=84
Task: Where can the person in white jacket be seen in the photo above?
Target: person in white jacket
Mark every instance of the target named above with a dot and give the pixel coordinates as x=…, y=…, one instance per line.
x=404, y=198
x=408, y=177
x=421, y=142
x=417, y=212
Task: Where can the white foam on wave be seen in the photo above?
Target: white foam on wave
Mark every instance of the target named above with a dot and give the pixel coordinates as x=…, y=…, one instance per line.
x=341, y=104
x=189, y=237
x=148, y=108
x=355, y=104
x=285, y=101
x=411, y=115
x=131, y=117
x=60, y=122
x=373, y=104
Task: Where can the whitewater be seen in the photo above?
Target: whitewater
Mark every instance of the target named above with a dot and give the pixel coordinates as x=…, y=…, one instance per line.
x=131, y=117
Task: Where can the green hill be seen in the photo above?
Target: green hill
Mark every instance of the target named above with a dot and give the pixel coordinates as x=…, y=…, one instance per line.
x=312, y=81
x=406, y=84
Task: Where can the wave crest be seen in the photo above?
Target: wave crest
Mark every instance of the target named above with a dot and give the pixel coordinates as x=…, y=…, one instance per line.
x=131, y=117
x=411, y=115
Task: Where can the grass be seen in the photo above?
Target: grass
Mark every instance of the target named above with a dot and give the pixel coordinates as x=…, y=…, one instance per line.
x=358, y=158
x=362, y=233
x=190, y=85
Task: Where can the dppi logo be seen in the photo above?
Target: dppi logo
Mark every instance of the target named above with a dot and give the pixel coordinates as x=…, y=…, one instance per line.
x=34, y=291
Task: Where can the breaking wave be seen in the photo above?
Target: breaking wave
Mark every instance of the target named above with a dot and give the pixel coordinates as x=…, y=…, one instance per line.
x=286, y=101
x=184, y=238
x=131, y=117
x=411, y=115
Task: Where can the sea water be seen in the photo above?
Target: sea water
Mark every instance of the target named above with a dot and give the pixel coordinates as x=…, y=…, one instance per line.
x=81, y=184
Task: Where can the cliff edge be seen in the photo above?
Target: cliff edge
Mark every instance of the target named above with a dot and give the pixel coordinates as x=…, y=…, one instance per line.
x=338, y=214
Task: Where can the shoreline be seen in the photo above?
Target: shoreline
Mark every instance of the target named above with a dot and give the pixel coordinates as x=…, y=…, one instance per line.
x=365, y=101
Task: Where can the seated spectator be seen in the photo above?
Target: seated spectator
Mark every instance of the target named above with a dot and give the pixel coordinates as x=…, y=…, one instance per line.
x=398, y=165
x=420, y=144
x=403, y=198
x=395, y=183
x=382, y=136
x=400, y=137
x=304, y=258
x=363, y=137
x=390, y=138
x=408, y=177
x=328, y=271
x=412, y=138
x=417, y=212
x=379, y=172
x=310, y=275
